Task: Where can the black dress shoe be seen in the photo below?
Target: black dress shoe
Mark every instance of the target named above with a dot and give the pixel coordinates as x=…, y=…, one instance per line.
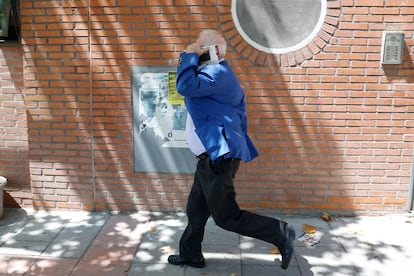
x=287, y=248
x=177, y=260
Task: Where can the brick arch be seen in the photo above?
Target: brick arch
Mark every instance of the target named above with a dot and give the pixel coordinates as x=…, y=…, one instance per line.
x=245, y=50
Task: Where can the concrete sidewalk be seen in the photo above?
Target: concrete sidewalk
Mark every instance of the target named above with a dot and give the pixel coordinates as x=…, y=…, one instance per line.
x=99, y=243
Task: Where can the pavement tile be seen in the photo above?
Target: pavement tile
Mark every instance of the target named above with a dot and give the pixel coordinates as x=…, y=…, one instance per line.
x=113, y=250
x=25, y=247
x=10, y=265
x=257, y=252
x=221, y=252
x=93, y=269
x=214, y=235
x=256, y=270
x=156, y=269
x=121, y=231
x=76, y=236
x=379, y=245
x=52, y=267
x=216, y=267
x=161, y=238
x=322, y=260
x=12, y=222
x=103, y=260
x=35, y=234
x=152, y=257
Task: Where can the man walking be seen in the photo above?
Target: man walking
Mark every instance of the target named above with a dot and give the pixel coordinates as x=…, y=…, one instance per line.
x=217, y=134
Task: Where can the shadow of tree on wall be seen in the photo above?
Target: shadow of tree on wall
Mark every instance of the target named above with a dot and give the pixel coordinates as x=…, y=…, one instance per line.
x=14, y=156
x=330, y=138
x=58, y=104
x=291, y=119
x=79, y=104
x=146, y=42
x=80, y=114
x=78, y=99
x=301, y=160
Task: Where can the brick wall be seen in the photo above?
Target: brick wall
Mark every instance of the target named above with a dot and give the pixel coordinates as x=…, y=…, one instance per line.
x=334, y=127
x=14, y=150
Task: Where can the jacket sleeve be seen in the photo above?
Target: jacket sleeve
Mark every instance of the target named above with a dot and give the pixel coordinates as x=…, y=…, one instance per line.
x=192, y=82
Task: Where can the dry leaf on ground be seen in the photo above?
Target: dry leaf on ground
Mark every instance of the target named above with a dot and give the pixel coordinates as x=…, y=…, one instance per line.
x=354, y=231
x=326, y=217
x=275, y=250
x=308, y=228
x=166, y=249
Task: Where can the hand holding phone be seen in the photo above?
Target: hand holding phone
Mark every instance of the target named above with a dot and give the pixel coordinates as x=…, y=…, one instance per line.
x=213, y=51
x=196, y=48
x=210, y=55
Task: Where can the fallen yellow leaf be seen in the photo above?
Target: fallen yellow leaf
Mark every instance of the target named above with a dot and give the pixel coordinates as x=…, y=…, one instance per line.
x=275, y=250
x=326, y=217
x=166, y=249
x=354, y=232
x=309, y=229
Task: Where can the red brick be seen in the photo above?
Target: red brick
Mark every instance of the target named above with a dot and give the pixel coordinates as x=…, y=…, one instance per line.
x=339, y=112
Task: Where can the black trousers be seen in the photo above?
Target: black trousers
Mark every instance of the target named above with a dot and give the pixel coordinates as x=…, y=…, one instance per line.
x=213, y=194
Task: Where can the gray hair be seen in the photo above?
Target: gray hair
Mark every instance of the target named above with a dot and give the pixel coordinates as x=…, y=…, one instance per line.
x=211, y=37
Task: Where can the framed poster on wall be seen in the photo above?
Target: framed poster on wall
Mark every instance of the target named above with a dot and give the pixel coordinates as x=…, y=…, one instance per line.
x=159, y=117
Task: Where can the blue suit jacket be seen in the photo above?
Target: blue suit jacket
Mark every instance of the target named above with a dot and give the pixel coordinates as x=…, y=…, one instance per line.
x=215, y=101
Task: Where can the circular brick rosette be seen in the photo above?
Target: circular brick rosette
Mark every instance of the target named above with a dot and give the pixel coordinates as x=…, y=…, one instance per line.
x=293, y=58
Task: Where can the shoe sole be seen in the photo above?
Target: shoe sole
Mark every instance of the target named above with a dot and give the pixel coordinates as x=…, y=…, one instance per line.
x=187, y=263
x=196, y=265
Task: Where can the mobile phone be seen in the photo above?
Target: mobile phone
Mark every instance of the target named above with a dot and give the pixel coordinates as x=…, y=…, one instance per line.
x=211, y=56
x=204, y=58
